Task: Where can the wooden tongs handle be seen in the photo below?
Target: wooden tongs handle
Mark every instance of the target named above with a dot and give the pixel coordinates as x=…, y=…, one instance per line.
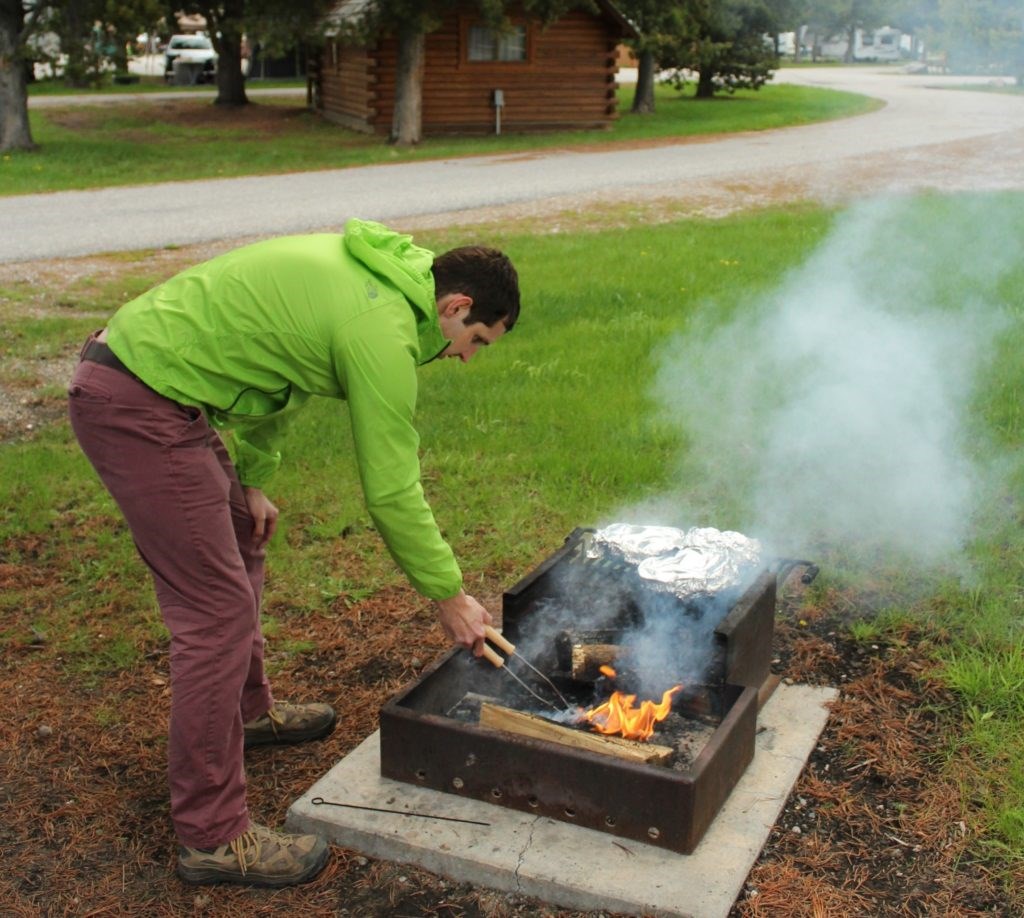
x=496, y=637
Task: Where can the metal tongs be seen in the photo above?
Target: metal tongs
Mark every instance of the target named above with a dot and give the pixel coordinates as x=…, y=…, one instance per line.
x=506, y=646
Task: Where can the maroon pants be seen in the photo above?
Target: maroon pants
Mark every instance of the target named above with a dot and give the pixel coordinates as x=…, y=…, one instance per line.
x=174, y=482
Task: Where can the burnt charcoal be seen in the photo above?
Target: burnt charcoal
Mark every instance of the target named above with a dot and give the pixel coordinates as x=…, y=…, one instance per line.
x=688, y=736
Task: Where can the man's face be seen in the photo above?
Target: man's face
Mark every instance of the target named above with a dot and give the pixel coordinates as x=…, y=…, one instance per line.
x=466, y=339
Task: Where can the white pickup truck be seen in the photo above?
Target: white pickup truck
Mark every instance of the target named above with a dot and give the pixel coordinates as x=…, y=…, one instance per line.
x=195, y=51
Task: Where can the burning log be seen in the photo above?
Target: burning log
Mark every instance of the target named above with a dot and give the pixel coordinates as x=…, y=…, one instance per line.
x=501, y=718
x=587, y=660
x=620, y=714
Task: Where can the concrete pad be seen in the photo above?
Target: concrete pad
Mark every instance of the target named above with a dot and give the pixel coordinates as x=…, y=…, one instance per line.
x=562, y=864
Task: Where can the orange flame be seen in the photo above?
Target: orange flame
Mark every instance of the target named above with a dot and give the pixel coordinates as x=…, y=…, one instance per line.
x=607, y=671
x=619, y=716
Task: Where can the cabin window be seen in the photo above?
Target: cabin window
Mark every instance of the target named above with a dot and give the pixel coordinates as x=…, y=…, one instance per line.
x=484, y=43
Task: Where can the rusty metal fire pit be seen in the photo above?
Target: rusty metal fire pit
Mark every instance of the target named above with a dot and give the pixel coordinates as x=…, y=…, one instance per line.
x=430, y=736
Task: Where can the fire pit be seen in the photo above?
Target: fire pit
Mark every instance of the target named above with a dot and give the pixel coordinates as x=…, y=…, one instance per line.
x=575, y=613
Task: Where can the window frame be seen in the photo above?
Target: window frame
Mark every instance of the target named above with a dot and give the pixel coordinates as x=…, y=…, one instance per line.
x=467, y=22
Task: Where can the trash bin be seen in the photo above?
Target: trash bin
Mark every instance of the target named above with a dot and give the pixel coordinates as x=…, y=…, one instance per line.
x=187, y=73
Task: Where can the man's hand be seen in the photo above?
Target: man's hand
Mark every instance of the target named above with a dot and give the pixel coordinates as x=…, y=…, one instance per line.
x=463, y=620
x=263, y=513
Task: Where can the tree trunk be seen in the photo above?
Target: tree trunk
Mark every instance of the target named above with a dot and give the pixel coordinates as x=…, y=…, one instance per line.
x=120, y=55
x=848, y=57
x=705, y=84
x=224, y=24
x=407, y=121
x=81, y=68
x=643, y=95
x=15, y=133
x=230, y=81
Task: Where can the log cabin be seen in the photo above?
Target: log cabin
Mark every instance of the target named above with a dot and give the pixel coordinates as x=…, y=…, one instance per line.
x=478, y=80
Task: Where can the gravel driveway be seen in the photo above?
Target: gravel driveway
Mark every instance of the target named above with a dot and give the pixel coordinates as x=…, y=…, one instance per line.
x=923, y=137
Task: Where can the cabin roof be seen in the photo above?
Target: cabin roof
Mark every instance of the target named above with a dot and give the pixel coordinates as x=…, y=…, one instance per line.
x=349, y=12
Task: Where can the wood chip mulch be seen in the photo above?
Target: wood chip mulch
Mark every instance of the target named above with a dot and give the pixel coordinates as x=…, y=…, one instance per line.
x=875, y=825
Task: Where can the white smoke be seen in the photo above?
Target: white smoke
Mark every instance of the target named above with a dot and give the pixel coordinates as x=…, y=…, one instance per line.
x=837, y=410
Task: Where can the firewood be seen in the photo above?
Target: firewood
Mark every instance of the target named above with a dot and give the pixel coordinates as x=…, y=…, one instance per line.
x=587, y=659
x=468, y=706
x=501, y=718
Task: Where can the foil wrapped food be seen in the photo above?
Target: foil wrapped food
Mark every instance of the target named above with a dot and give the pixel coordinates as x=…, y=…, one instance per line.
x=686, y=562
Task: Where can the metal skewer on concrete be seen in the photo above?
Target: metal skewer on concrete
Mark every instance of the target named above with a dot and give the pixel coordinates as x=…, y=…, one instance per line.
x=507, y=647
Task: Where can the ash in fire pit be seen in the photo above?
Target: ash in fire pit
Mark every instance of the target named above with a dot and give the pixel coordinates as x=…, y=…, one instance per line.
x=687, y=737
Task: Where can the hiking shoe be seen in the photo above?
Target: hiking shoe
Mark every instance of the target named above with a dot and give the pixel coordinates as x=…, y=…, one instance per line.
x=290, y=723
x=258, y=857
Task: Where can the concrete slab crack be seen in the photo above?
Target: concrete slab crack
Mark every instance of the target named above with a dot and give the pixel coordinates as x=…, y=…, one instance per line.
x=522, y=853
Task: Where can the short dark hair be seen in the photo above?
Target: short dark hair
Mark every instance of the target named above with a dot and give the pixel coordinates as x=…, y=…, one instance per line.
x=484, y=274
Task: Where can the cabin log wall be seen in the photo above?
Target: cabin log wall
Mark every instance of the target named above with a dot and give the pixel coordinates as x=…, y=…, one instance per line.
x=568, y=81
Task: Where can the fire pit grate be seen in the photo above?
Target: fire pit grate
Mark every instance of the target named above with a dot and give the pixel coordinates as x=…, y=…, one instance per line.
x=430, y=734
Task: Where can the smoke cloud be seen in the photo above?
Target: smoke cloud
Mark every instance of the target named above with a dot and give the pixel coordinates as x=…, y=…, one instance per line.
x=837, y=409
x=838, y=412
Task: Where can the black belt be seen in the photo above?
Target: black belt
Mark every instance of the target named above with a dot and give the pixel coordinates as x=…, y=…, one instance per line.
x=98, y=352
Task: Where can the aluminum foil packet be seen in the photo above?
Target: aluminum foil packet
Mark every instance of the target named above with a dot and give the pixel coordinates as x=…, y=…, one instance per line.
x=686, y=562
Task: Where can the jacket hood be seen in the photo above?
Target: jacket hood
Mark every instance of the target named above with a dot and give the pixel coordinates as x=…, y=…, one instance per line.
x=394, y=256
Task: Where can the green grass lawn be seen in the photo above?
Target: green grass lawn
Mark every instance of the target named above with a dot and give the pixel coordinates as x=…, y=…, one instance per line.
x=560, y=426
x=145, y=142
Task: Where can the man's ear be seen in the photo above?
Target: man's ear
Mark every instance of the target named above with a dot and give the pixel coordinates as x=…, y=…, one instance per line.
x=455, y=305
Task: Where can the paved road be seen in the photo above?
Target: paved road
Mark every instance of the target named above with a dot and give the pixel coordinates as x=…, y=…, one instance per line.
x=922, y=137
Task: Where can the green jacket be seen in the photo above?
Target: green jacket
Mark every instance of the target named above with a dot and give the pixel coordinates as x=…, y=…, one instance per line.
x=249, y=336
